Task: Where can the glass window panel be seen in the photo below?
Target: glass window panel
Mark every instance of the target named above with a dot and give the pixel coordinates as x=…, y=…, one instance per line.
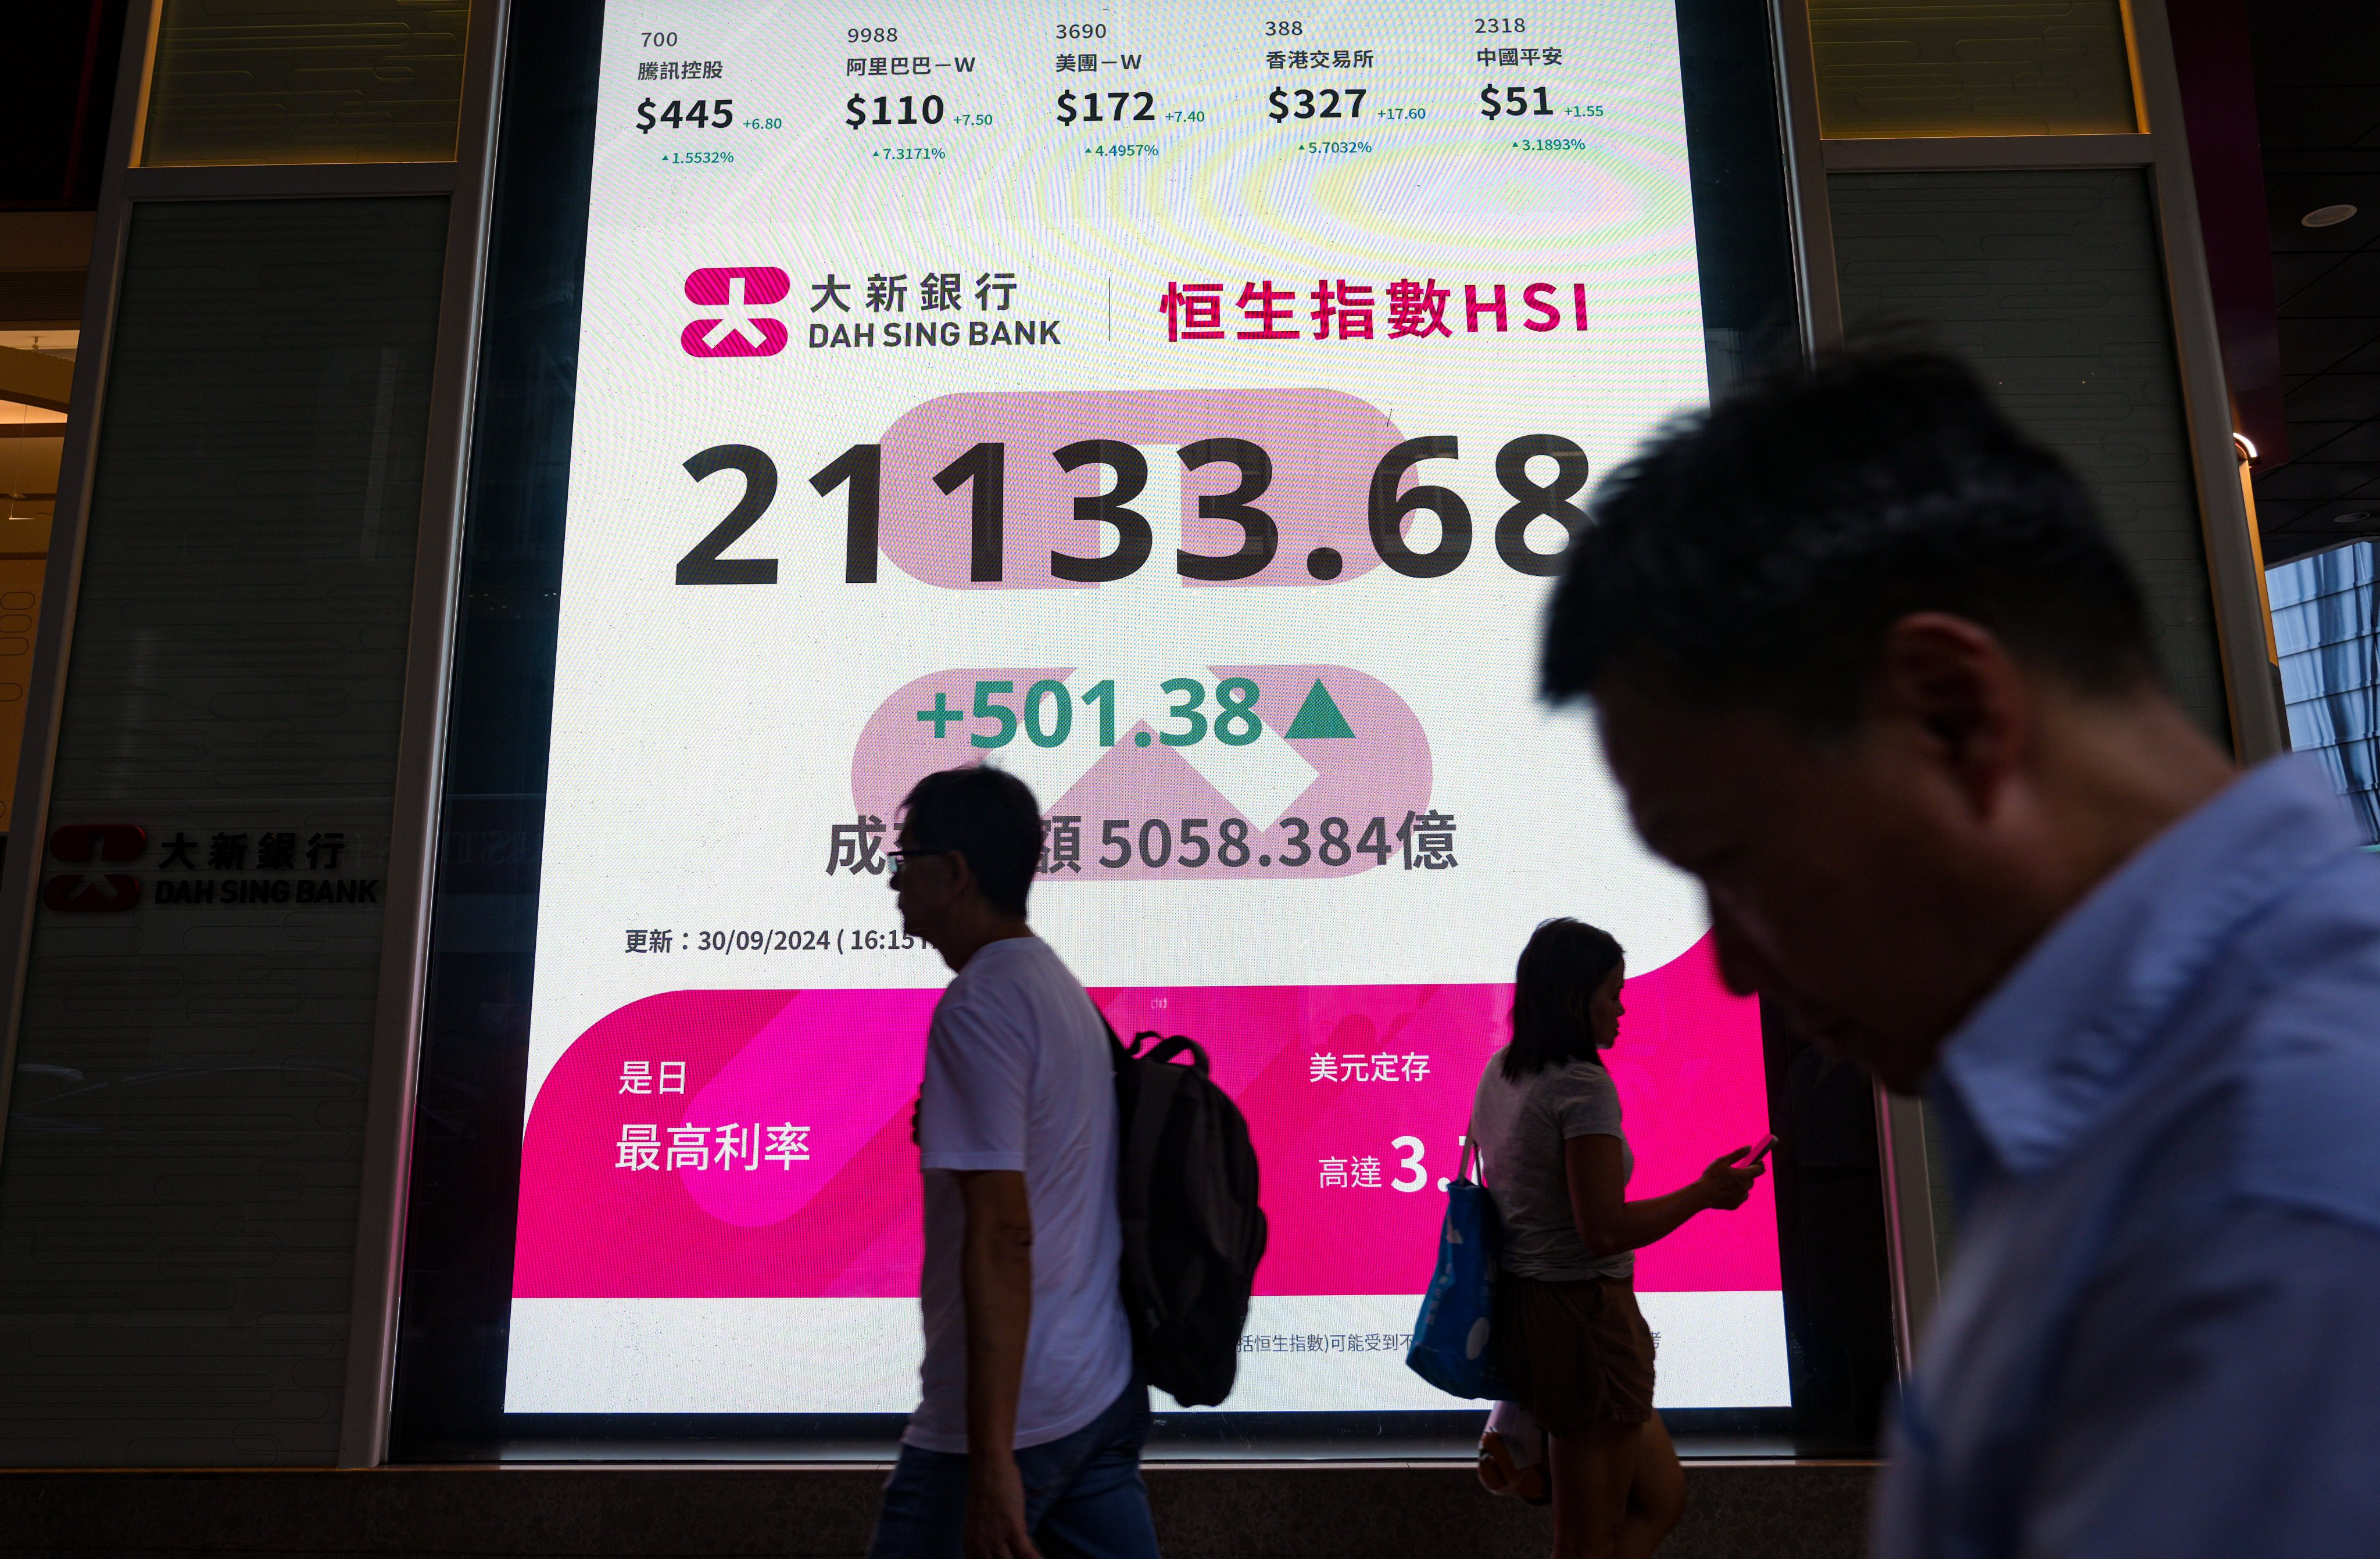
x=306, y=81
x=187, y=1125
x=2327, y=620
x=1971, y=67
x=2052, y=284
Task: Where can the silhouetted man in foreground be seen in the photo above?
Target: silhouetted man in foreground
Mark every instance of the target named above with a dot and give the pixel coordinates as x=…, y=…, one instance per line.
x=1031, y=1419
x=1866, y=664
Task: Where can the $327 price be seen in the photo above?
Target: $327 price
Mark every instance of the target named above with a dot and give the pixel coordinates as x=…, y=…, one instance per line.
x=1311, y=103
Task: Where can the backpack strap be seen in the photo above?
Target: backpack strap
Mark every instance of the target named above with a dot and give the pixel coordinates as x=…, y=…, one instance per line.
x=1149, y=1090
x=1166, y=1049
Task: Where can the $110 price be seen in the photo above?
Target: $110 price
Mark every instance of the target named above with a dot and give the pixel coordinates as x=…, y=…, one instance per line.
x=906, y=109
x=982, y=471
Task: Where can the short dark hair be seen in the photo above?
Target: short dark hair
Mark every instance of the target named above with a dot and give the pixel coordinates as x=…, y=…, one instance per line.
x=1560, y=969
x=986, y=814
x=1759, y=550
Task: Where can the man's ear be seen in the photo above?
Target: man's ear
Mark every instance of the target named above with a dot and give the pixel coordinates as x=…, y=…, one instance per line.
x=1955, y=683
x=963, y=882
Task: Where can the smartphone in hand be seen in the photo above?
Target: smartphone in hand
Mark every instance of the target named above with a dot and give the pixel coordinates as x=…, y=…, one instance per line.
x=1759, y=1153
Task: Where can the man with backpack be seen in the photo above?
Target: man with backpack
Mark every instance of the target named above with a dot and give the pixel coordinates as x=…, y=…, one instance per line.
x=1032, y=1417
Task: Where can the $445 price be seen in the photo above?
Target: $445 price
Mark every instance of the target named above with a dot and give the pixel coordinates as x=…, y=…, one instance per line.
x=711, y=114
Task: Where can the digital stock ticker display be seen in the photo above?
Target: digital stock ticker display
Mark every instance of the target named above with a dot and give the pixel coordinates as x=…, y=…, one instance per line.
x=1184, y=406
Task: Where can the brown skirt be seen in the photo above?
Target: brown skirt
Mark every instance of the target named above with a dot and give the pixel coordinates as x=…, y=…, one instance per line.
x=1575, y=1355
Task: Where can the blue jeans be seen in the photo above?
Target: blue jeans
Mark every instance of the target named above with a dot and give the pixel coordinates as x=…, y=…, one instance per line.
x=1082, y=1493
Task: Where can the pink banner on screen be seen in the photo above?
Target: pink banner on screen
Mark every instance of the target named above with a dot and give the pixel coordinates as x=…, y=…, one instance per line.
x=756, y=1143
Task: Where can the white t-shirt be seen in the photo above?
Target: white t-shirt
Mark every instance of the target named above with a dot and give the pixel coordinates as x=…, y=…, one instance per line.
x=1522, y=1130
x=1018, y=1077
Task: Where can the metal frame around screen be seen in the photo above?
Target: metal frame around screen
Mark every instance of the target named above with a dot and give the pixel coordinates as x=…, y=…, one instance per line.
x=462, y=1100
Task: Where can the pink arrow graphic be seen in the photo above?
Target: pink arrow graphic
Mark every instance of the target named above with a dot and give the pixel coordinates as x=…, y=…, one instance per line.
x=1322, y=446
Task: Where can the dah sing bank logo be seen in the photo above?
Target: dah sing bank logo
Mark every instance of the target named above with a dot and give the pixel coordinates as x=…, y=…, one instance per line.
x=736, y=332
x=90, y=844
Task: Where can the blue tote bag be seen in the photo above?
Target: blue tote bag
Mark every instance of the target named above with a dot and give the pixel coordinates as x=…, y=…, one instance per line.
x=1452, y=1345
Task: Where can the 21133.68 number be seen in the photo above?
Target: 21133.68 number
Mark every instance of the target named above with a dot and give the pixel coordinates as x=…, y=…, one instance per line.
x=982, y=470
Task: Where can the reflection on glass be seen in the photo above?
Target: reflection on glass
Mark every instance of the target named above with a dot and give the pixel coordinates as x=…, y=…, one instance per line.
x=36, y=375
x=221, y=776
x=2051, y=281
x=2015, y=67
x=248, y=81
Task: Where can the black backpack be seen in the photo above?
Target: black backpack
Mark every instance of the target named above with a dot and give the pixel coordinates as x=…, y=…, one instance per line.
x=1193, y=1233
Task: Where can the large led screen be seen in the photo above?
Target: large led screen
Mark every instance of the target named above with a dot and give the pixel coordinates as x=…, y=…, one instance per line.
x=1184, y=406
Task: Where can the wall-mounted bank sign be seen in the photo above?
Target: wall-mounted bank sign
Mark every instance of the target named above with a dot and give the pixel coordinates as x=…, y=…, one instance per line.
x=114, y=868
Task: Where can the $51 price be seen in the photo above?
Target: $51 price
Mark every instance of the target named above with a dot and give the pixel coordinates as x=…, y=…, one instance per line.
x=1516, y=100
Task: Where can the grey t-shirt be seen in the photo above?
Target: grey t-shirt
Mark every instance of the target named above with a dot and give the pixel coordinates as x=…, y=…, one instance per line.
x=1521, y=1127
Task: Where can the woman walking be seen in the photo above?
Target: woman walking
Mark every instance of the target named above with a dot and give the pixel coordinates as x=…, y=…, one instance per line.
x=1575, y=1349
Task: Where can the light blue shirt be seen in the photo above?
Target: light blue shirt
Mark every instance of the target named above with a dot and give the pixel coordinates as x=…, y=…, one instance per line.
x=2161, y=1335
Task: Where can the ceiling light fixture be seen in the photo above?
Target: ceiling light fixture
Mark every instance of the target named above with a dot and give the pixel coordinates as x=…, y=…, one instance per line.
x=2328, y=216
x=2352, y=517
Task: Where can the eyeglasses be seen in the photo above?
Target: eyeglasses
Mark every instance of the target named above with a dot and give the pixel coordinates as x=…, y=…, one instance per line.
x=903, y=859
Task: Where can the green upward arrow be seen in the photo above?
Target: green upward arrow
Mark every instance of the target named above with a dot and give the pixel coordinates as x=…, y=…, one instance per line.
x=1318, y=716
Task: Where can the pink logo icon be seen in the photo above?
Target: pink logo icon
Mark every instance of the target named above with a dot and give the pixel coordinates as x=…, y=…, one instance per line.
x=736, y=333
